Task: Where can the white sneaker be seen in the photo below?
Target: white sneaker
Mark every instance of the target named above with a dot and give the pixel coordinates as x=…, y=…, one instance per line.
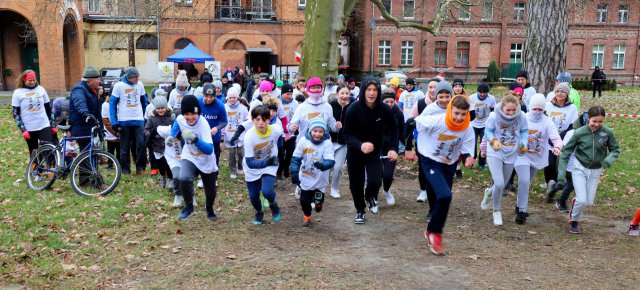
x=296, y=193
x=497, y=218
x=389, y=197
x=543, y=185
x=373, y=206
x=170, y=183
x=335, y=193
x=195, y=203
x=422, y=197
x=486, y=200
x=313, y=205
x=200, y=184
x=233, y=176
x=177, y=200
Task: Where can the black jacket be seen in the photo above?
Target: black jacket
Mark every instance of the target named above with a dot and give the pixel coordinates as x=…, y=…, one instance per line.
x=376, y=125
x=339, y=114
x=151, y=130
x=397, y=113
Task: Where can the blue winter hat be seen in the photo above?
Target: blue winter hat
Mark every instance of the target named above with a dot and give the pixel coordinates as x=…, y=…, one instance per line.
x=564, y=77
x=317, y=122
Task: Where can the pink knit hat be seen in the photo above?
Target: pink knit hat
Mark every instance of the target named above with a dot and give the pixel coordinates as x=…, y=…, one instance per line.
x=313, y=81
x=266, y=86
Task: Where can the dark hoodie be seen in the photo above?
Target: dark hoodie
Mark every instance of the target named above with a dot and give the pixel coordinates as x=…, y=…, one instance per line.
x=376, y=125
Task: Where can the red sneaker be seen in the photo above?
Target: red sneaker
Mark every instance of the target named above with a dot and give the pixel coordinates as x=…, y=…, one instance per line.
x=434, y=241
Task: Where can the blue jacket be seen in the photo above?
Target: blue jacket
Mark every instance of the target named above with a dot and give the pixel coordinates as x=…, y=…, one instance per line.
x=216, y=116
x=113, y=109
x=83, y=102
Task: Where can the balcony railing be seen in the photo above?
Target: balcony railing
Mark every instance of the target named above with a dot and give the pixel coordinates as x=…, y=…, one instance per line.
x=244, y=13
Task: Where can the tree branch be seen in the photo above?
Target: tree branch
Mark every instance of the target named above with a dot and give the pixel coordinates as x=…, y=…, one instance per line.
x=433, y=29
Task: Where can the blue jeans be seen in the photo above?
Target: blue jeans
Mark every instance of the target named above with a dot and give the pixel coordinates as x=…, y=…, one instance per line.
x=266, y=185
x=126, y=135
x=440, y=177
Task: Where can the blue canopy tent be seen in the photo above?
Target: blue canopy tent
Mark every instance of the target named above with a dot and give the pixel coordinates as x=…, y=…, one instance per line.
x=190, y=54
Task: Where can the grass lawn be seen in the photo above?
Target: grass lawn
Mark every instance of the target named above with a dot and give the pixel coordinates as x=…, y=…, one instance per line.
x=58, y=239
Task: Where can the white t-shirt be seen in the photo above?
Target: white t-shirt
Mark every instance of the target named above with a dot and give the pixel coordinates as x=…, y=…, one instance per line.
x=105, y=114
x=527, y=94
x=572, y=159
x=255, y=102
x=408, y=100
x=482, y=109
x=306, y=111
x=31, y=103
x=438, y=143
x=540, y=132
x=433, y=110
x=508, y=136
x=312, y=178
x=129, y=106
x=562, y=117
x=236, y=115
x=289, y=108
x=328, y=91
x=260, y=149
x=296, y=93
x=356, y=92
x=204, y=162
x=172, y=147
x=175, y=99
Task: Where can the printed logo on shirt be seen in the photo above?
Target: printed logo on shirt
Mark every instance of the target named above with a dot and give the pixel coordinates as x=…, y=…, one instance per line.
x=447, y=146
x=313, y=115
x=310, y=156
x=482, y=111
x=263, y=150
x=34, y=102
x=508, y=135
x=603, y=137
x=535, y=142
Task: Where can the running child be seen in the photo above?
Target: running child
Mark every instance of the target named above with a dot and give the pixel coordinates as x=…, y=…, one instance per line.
x=236, y=115
x=289, y=106
x=172, y=151
x=340, y=106
x=482, y=103
x=312, y=160
x=161, y=116
x=595, y=148
x=388, y=166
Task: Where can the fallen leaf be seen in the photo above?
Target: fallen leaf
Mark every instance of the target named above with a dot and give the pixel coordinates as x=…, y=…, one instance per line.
x=473, y=257
x=144, y=268
x=232, y=257
x=164, y=247
x=132, y=242
x=179, y=231
x=532, y=232
x=129, y=257
x=528, y=278
x=6, y=201
x=69, y=267
x=175, y=250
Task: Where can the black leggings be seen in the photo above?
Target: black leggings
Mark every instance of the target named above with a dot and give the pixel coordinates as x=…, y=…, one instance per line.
x=551, y=171
x=163, y=167
x=388, y=169
x=36, y=137
x=307, y=197
x=285, y=162
x=358, y=164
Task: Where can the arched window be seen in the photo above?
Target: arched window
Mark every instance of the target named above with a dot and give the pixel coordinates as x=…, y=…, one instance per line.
x=182, y=43
x=147, y=41
x=234, y=44
x=114, y=41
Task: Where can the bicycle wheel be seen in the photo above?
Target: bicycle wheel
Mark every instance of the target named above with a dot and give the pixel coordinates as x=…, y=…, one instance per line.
x=41, y=169
x=94, y=174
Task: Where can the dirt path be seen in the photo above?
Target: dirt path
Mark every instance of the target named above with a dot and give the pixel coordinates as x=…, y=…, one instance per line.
x=389, y=251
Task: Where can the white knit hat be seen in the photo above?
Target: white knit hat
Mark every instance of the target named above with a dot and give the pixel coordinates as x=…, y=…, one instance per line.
x=182, y=80
x=538, y=101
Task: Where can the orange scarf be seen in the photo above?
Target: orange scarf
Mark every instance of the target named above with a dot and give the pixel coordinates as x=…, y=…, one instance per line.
x=451, y=124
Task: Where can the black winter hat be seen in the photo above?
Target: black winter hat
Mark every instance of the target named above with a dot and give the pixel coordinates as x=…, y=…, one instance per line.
x=286, y=88
x=523, y=74
x=483, y=88
x=457, y=82
x=410, y=81
x=300, y=98
x=190, y=104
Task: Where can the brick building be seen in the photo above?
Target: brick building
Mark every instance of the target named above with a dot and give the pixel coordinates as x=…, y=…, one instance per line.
x=257, y=34
x=48, y=40
x=602, y=33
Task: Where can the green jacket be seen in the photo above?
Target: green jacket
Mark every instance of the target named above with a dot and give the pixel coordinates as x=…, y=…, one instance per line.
x=593, y=149
x=574, y=97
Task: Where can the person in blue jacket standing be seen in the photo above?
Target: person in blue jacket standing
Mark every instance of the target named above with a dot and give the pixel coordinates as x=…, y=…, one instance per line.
x=216, y=115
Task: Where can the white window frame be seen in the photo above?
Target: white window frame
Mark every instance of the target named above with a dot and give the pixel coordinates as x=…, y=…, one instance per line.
x=465, y=13
x=519, y=12
x=597, y=56
x=485, y=4
x=384, y=50
x=302, y=3
x=93, y=6
x=390, y=8
x=623, y=13
x=619, y=52
x=406, y=53
x=601, y=13
x=515, y=53
x=413, y=10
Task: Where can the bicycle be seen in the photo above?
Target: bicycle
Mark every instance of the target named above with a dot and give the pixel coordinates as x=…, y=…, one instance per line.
x=93, y=172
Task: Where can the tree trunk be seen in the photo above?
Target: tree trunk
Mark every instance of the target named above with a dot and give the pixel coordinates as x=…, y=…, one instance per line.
x=545, y=48
x=325, y=22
